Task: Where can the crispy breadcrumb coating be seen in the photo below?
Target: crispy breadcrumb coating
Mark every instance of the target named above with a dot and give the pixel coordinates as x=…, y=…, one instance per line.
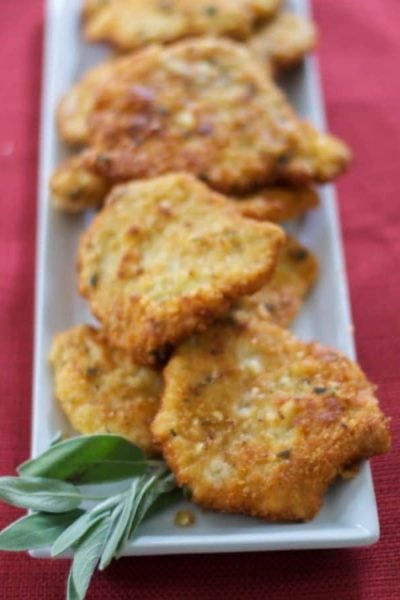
x=284, y=41
x=167, y=255
x=205, y=106
x=131, y=24
x=254, y=421
x=278, y=203
x=76, y=105
x=74, y=188
x=101, y=389
x=281, y=298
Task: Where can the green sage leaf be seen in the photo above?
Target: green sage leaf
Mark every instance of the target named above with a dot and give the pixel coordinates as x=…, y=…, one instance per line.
x=40, y=494
x=146, y=493
x=88, y=459
x=141, y=498
x=86, y=557
x=58, y=437
x=36, y=531
x=147, y=497
x=74, y=532
x=164, y=502
x=121, y=520
x=97, y=535
x=72, y=594
x=78, y=529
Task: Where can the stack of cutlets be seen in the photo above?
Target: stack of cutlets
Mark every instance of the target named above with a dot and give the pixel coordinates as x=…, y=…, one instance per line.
x=191, y=154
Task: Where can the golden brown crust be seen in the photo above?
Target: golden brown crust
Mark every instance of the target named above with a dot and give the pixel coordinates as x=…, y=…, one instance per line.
x=101, y=389
x=281, y=298
x=76, y=105
x=165, y=256
x=204, y=106
x=132, y=24
x=284, y=41
x=313, y=156
x=278, y=203
x=74, y=188
x=254, y=421
x=207, y=107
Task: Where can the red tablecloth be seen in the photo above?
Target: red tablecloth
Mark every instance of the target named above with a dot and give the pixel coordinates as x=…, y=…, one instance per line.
x=360, y=55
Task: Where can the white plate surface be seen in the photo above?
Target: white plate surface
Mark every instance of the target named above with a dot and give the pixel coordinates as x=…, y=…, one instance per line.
x=349, y=516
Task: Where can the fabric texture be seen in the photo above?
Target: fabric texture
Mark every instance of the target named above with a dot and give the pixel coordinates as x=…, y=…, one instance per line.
x=360, y=54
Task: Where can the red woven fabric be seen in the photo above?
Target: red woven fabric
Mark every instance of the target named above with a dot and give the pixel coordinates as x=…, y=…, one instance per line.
x=360, y=55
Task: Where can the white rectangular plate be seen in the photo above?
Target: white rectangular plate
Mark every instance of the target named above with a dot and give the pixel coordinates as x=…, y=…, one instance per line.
x=349, y=516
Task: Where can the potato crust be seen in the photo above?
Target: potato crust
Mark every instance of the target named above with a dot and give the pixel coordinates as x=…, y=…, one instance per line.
x=281, y=298
x=167, y=255
x=254, y=421
x=284, y=41
x=131, y=24
x=101, y=389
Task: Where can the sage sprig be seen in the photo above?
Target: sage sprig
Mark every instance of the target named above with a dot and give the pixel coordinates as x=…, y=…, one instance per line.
x=48, y=486
x=36, y=530
x=89, y=459
x=40, y=494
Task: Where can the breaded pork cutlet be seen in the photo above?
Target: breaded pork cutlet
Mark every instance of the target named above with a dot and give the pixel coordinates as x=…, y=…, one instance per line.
x=75, y=189
x=132, y=24
x=281, y=298
x=278, y=203
x=101, y=389
x=254, y=421
x=202, y=106
x=207, y=107
x=167, y=255
x=284, y=41
x=77, y=104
